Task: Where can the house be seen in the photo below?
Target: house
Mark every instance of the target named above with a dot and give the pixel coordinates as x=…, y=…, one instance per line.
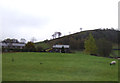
x=12, y=45
x=58, y=48
x=5, y=46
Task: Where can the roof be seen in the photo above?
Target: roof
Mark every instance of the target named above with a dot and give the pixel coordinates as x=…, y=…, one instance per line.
x=60, y=46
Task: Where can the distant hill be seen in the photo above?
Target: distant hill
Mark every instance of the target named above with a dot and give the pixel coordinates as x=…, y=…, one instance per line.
x=76, y=40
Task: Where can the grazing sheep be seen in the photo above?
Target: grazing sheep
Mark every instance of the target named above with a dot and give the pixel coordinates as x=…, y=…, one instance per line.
x=113, y=62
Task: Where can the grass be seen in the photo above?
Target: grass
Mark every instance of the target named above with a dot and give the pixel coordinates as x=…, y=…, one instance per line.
x=115, y=53
x=57, y=67
x=43, y=45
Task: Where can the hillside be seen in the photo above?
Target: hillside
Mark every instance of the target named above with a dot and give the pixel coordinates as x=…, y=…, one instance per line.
x=76, y=40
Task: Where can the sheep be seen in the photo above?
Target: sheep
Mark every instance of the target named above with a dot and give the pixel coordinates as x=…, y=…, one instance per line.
x=113, y=62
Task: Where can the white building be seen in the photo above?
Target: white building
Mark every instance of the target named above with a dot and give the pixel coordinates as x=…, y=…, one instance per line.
x=12, y=45
x=58, y=48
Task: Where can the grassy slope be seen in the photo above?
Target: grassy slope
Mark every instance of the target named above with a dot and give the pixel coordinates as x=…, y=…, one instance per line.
x=57, y=67
x=43, y=45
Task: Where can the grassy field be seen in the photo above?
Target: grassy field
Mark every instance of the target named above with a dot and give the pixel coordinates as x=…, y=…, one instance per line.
x=57, y=67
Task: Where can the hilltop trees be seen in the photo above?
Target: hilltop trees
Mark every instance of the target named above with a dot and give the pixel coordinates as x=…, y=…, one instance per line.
x=90, y=45
x=56, y=34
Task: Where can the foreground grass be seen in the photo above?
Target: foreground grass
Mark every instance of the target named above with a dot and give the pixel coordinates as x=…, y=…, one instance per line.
x=57, y=67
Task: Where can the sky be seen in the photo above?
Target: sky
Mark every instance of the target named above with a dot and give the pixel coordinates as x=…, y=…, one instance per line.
x=41, y=18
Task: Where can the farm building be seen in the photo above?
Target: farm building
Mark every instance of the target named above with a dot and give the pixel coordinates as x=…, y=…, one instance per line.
x=7, y=46
x=12, y=45
x=61, y=48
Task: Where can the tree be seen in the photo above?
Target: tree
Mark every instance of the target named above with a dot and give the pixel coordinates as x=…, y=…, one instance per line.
x=80, y=29
x=59, y=34
x=14, y=41
x=53, y=36
x=8, y=40
x=22, y=40
x=104, y=47
x=30, y=47
x=56, y=34
x=90, y=45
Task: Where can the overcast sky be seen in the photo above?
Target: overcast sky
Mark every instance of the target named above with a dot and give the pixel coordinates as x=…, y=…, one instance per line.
x=41, y=18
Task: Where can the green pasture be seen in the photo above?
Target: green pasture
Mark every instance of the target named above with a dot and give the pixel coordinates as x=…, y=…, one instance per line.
x=33, y=66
